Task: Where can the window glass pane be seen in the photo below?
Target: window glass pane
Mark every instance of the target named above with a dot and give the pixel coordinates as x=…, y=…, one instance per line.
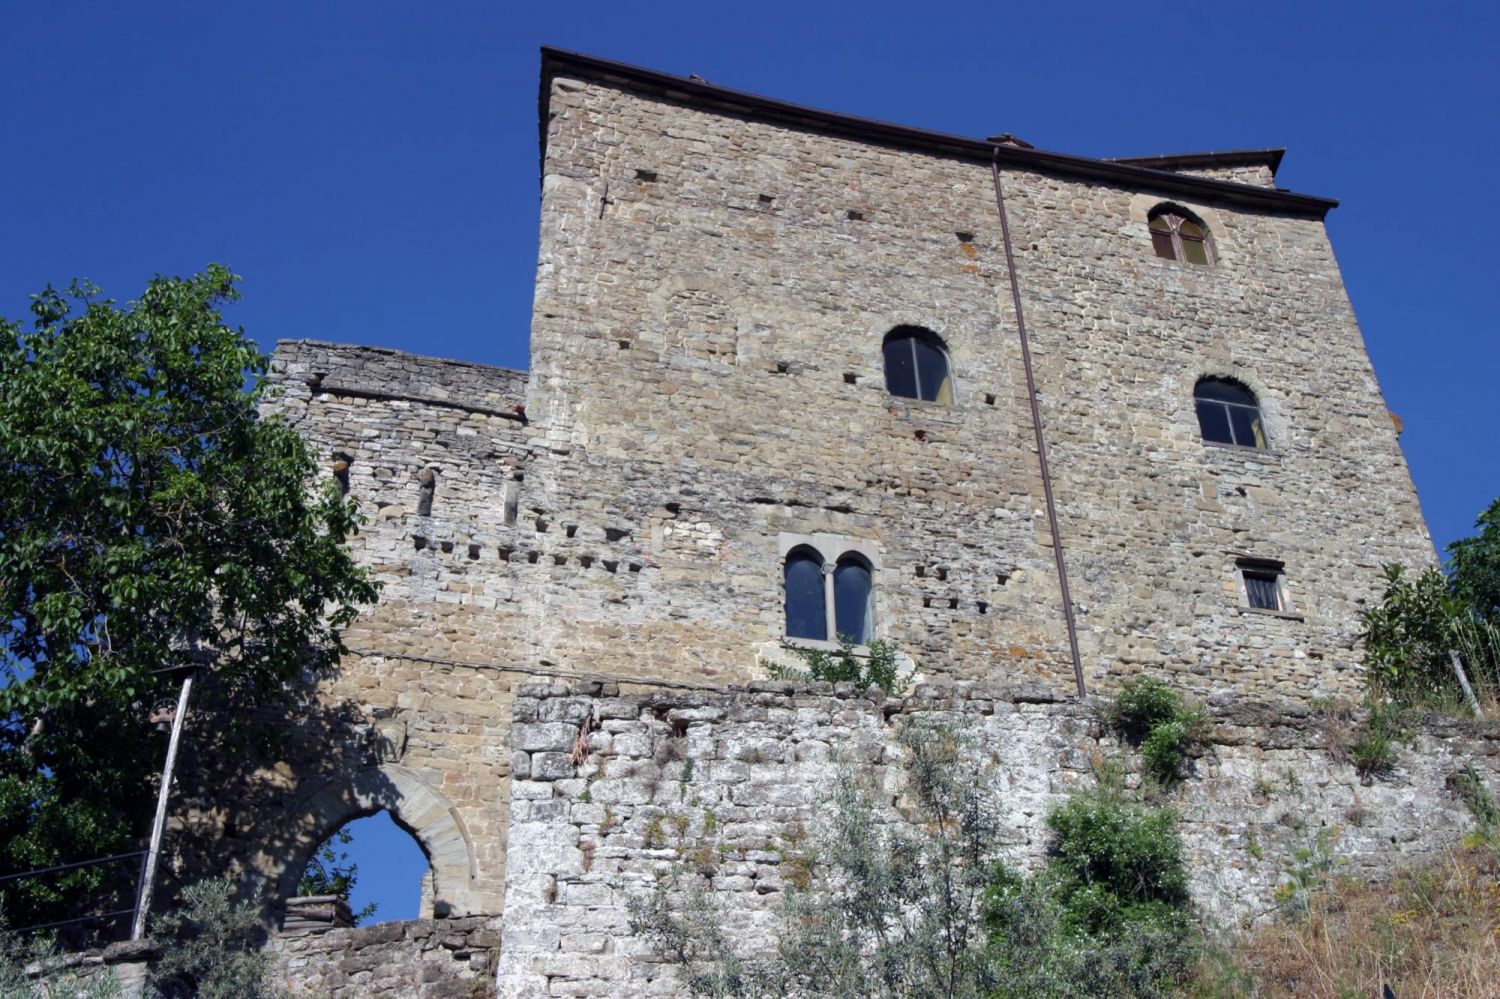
x=1189, y=229
x=806, y=616
x=932, y=371
x=1262, y=591
x=1161, y=242
x=852, y=600
x=1224, y=391
x=1194, y=249
x=1213, y=421
x=900, y=374
x=1247, y=427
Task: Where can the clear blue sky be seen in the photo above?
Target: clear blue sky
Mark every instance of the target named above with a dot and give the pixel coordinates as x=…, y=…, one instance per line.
x=371, y=167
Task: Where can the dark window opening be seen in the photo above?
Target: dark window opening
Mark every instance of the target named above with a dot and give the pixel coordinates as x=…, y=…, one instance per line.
x=806, y=607
x=853, y=595
x=1228, y=413
x=1263, y=585
x=916, y=365
x=1176, y=235
x=829, y=601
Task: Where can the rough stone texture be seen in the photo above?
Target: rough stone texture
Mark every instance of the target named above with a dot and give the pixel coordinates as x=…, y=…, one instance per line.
x=421, y=958
x=725, y=786
x=712, y=293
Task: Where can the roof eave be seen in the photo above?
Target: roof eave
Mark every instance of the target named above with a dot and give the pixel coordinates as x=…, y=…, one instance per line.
x=700, y=93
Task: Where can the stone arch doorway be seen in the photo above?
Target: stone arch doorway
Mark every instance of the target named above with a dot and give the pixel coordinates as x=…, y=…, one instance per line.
x=414, y=805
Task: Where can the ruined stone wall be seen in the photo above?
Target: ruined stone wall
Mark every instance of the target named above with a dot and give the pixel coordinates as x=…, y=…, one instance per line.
x=403, y=725
x=420, y=958
x=707, y=376
x=727, y=786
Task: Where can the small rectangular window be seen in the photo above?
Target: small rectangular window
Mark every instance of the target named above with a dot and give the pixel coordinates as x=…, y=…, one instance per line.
x=1263, y=585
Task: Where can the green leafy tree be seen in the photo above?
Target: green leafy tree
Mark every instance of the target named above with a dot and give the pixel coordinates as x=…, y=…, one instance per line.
x=1474, y=566
x=329, y=871
x=149, y=514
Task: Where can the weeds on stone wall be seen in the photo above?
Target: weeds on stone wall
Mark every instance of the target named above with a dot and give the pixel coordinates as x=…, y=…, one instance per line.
x=209, y=949
x=1161, y=723
x=31, y=965
x=878, y=666
x=1430, y=930
x=914, y=899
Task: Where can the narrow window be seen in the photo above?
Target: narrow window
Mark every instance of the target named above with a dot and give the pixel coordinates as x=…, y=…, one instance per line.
x=1263, y=585
x=1177, y=235
x=853, y=599
x=806, y=606
x=1228, y=413
x=916, y=365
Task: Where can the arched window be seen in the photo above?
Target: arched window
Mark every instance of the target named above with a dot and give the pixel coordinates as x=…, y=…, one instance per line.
x=828, y=598
x=853, y=599
x=916, y=365
x=1177, y=235
x=372, y=866
x=1228, y=413
x=806, y=603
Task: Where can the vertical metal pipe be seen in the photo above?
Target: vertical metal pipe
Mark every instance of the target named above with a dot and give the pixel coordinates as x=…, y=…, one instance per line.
x=148, y=870
x=1036, y=422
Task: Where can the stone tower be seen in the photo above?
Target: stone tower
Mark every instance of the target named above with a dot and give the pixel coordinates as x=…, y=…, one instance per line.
x=793, y=371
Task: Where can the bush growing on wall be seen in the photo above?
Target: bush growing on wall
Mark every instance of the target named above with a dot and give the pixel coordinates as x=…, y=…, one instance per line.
x=879, y=666
x=1161, y=723
x=920, y=904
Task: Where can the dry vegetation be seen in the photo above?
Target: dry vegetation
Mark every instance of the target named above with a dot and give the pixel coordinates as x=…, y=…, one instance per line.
x=1430, y=931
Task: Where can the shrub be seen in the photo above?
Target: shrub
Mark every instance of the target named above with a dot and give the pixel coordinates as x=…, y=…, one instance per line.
x=1410, y=635
x=210, y=946
x=1161, y=723
x=878, y=667
x=1108, y=915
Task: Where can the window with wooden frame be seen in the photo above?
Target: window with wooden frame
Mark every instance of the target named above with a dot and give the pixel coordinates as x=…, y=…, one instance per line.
x=1264, y=585
x=1176, y=234
x=1228, y=413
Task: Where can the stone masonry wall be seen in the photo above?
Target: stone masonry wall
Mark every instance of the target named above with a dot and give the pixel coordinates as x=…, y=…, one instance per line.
x=419, y=958
x=726, y=786
x=707, y=377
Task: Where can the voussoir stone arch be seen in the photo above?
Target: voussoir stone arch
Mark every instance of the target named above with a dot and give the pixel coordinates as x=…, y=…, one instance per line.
x=415, y=805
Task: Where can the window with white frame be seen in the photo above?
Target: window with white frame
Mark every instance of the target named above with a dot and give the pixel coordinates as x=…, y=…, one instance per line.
x=828, y=588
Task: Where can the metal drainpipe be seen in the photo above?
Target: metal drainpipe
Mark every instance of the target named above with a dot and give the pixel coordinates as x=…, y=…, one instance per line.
x=1041, y=439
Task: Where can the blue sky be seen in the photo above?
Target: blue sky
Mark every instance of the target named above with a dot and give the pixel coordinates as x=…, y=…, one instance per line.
x=371, y=167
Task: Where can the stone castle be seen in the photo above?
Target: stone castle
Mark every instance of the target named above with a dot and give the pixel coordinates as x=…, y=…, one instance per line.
x=1042, y=421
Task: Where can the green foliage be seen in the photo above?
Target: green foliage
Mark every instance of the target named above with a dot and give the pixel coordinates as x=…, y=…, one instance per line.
x=1481, y=804
x=1474, y=566
x=878, y=667
x=891, y=909
x=1373, y=748
x=1409, y=635
x=330, y=872
x=211, y=947
x=56, y=977
x=1422, y=619
x=147, y=513
x=1161, y=723
x=1109, y=914
x=1115, y=863
x=923, y=907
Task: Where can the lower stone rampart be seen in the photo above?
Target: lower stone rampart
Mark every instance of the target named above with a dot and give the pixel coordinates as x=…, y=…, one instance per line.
x=610, y=791
x=420, y=958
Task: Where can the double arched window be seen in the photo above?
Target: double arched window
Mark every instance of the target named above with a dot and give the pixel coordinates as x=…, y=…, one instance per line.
x=916, y=365
x=1228, y=413
x=826, y=600
x=1176, y=234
